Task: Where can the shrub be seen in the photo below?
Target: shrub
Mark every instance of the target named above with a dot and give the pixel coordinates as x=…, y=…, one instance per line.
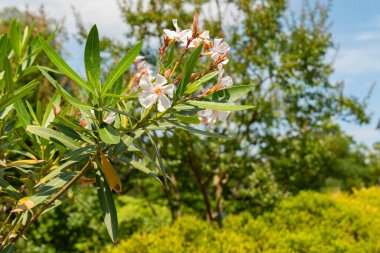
x=308, y=222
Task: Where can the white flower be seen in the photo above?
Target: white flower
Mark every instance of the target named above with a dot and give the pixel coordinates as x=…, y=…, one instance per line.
x=202, y=38
x=179, y=35
x=110, y=118
x=220, y=48
x=211, y=116
x=157, y=91
x=223, y=82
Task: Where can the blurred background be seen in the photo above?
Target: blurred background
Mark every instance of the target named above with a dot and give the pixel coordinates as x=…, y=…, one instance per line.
x=308, y=152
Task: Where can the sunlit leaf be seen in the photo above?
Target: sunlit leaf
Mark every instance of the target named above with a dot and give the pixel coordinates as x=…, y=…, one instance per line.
x=92, y=58
x=219, y=106
x=188, y=70
x=109, y=135
x=120, y=68
x=63, y=66
x=54, y=136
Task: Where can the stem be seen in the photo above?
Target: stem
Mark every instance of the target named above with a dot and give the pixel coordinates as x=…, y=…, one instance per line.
x=54, y=198
x=9, y=233
x=5, y=222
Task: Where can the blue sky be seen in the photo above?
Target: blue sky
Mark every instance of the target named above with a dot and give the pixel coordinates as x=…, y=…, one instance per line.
x=355, y=29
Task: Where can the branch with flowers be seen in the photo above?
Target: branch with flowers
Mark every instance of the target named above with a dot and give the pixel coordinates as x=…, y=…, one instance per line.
x=86, y=140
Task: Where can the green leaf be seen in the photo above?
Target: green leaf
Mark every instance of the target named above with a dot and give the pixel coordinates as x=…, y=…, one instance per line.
x=22, y=113
x=141, y=167
x=171, y=55
x=15, y=38
x=194, y=86
x=54, y=136
x=20, y=93
x=107, y=204
x=109, y=135
x=188, y=70
x=120, y=68
x=72, y=100
x=27, y=34
x=92, y=58
x=219, y=106
x=8, y=77
x=229, y=95
x=49, y=113
x=45, y=191
x=162, y=167
x=63, y=66
x=3, y=48
x=189, y=119
x=9, y=189
x=67, y=130
x=197, y=131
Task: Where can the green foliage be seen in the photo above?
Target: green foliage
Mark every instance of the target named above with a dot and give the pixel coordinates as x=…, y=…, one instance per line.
x=308, y=222
x=77, y=225
x=105, y=130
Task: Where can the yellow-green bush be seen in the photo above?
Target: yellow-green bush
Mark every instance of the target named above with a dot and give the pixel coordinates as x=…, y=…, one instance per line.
x=310, y=222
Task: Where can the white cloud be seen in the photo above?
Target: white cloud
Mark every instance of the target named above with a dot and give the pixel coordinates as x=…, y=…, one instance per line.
x=104, y=13
x=367, y=36
x=358, y=60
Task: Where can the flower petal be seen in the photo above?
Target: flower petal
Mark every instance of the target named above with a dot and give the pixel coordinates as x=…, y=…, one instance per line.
x=160, y=80
x=146, y=84
x=217, y=42
x=176, y=25
x=147, y=99
x=163, y=103
x=168, y=89
x=220, y=75
x=226, y=81
x=110, y=118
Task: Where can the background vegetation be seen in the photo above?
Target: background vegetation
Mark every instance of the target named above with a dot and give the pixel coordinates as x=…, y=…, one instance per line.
x=263, y=189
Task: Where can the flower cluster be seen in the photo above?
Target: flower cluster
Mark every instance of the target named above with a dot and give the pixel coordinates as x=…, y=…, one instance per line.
x=160, y=88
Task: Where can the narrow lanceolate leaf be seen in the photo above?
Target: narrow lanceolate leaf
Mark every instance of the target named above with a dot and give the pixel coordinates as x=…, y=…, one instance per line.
x=188, y=70
x=109, y=135
x=3, y=48
x=229, y=95
x=72, y=100
x=189, y=119
x=49, y=114
x=46, y=190
x=120, y=68
x=219, y=106
x=141, y=167
x=92, y=58
x=9, y=189
x=162, y=167
x=8, y=77
x=197, y=131
x=54, y=136
x=108, y=205
x=110, y=173
x=63, y=66
x=15, y=38
x=24, y=162
x=194, y=86
x=22, y=113
x=20, y=93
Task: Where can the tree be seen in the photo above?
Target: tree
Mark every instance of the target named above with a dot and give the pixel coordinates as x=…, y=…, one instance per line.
x=292, y=135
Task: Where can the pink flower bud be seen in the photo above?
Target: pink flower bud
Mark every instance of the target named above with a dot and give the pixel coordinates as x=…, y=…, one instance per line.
x=56, y=110
x=167, y=73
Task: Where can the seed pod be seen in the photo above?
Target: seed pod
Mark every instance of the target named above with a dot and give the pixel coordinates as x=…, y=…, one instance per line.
x=110, y=173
